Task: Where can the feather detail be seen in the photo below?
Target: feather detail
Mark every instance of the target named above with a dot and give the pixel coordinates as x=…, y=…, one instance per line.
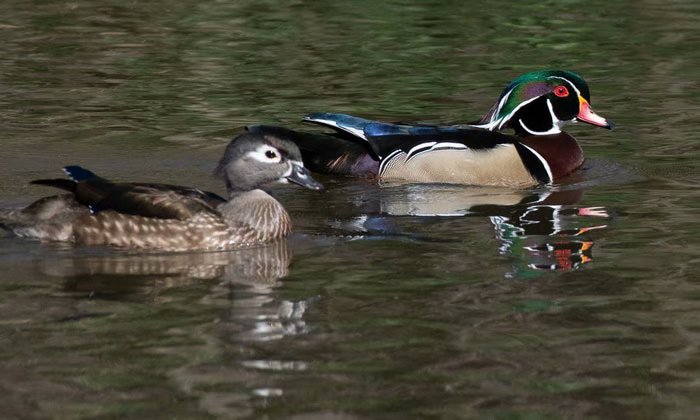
x=64, y=184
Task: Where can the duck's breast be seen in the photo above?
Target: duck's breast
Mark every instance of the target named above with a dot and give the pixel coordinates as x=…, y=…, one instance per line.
x=561, y=151
x=257, y=216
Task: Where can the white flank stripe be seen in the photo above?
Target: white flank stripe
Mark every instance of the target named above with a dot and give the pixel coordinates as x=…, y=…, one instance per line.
x=427, y=145
x=386, y=160
x=448, y=145
x=434, y=146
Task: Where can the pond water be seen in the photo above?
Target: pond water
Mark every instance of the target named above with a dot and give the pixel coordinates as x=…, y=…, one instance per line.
x=581, y=300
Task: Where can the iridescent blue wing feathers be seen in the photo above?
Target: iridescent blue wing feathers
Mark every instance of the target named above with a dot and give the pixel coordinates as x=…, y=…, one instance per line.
x=342, y=122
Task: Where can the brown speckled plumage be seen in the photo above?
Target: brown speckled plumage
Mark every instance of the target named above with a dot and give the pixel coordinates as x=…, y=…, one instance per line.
x=167, y=217
x=252, y=218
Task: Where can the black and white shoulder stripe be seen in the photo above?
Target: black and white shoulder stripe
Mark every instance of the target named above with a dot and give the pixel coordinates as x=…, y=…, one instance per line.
x=433, y=146
x=419, y=150
x=535, y=163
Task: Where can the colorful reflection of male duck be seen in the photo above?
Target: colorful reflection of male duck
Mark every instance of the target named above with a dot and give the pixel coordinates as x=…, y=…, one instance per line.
x=540, y=230
x=548, y=235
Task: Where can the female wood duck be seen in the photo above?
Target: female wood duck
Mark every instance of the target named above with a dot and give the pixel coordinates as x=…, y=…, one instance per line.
x=535, y=105
x=171, y=217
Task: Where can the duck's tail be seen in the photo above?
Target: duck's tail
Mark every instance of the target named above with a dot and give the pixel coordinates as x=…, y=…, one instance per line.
x=49, y=218
x=76, y=174
x=64, y=184
x=327, y=153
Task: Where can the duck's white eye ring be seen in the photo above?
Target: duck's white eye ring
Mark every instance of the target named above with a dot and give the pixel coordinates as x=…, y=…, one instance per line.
x=266, y=154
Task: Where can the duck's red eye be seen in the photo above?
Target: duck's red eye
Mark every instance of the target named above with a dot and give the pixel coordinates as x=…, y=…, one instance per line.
x=561, y=91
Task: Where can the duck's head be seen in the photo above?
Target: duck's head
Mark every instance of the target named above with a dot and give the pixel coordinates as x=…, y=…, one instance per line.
x=254, y=161
x=541, y=102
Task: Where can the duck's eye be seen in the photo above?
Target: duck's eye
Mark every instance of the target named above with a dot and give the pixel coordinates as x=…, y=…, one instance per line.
x=266, y=154
x=561, y=91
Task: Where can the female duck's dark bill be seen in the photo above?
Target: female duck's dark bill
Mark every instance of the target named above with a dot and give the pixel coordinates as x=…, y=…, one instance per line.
x=587, y=115
x=301, y=176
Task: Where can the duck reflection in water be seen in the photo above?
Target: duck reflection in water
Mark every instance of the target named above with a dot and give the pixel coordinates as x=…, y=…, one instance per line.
x=542, y=229
x=247, y=278
x=548, y=236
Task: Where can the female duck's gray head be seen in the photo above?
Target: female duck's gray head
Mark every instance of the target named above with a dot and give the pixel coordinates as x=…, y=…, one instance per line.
x=254, y=161
x=541, y=102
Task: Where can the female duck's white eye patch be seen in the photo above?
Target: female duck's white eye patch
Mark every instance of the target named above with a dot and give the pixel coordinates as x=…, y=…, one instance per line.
x=266, y=154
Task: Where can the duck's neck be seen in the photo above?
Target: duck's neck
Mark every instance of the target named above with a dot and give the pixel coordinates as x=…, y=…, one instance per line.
x=561, y=151
x=257, y=211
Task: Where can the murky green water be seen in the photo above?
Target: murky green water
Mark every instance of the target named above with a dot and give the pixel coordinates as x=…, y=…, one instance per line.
x=583, y=302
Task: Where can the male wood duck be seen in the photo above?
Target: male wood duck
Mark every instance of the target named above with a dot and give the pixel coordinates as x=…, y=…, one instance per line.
x=535, y=105
x=171, y=217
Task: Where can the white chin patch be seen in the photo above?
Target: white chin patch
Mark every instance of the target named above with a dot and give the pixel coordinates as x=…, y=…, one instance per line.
x=289, y=171
x=265, y=154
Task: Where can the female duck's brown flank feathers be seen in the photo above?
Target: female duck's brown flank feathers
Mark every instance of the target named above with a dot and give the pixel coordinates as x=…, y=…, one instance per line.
x=171, y=217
